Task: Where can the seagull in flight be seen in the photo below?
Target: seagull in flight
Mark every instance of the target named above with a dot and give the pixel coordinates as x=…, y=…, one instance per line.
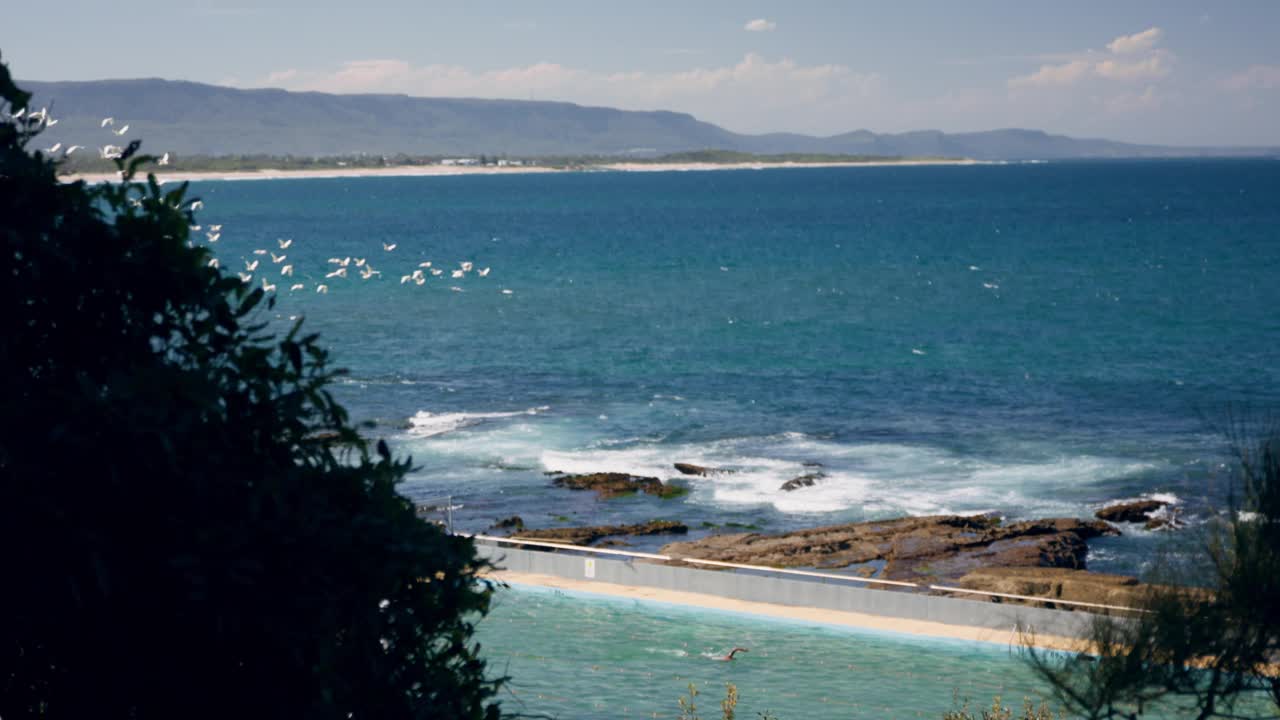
x=164, y=159
x=213, y=236
x=388, y=247
x=259, y=251
x=72, y=149
x=466, y=266
x=267, y=287
x=322, y=288
x=245, y=277
x=284, y=244
x=296, y=286
x=456, y=274
x=455, y=288
x=437, y=271
x=251, y=266
x=506, y=292
x=426, y=264
x=215, y=228
x=56, y=147
x=405, y=278
x=107, y=121
x=197, y=205
x=287, y=270
x=483, y=273
x=213, y=263
x=122, y=130
x=420, y=281
x=111, y=152
x=369, y=272
x=340, y=272
x=277, y=259
x=359, y=262
x=19, y=113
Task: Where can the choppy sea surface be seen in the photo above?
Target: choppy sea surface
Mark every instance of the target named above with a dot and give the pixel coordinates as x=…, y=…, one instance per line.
x=1034, y=340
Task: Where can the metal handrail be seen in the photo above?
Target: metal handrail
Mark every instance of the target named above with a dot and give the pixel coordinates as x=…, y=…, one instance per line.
x=1036, y=599
x=806, y=573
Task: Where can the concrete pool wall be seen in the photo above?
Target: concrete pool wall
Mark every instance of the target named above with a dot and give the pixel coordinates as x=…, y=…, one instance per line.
x=818, y=594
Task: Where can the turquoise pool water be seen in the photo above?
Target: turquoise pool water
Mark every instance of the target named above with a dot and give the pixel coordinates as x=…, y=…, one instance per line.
x=588, y=656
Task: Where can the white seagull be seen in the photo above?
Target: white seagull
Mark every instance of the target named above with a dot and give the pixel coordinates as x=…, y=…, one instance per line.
x=296, y=286
x=483, y=273
x=72, y=149
x=245, y=277
x=426, y=264
x=420, y=281
x=388, y=247
x=322, y=288
x=251, y=266
x=19, y=113
x=466, y=266
x=284, y=244
x=164, y=159
x=287, y=270
x=213, y=263
x=111, y=152
x=56, y=147
x=359, y=262
x=369, y=272
x=277, y=259
x=456, y=274
x=213, y=236
x=259, y=251
x=107, y=121
x=197, y=205
x=405, y=278
x=437, y=271
x=340, y=272
x=267, y=287
x=506, y=292
x=122, y=130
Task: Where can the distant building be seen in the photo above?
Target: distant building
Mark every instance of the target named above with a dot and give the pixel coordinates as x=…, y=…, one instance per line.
x=459, y=161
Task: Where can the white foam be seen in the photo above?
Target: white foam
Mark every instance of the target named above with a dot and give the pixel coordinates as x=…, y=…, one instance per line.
x=877, y=479
x=429, y=424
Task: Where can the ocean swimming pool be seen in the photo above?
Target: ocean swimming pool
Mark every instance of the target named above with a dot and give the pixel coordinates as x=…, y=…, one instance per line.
x=578, y=655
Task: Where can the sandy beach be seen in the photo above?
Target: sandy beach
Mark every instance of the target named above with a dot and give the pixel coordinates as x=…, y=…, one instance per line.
x=455, y=170
x=805, y=614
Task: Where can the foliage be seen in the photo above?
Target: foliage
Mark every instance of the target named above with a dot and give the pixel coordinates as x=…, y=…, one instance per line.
x=1209, y=652
x=999, y=711
x=728, y=706
x=190, y=526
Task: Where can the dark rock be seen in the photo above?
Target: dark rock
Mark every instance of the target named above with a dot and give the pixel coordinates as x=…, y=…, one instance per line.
x=812, y=464
x=515, y=522
x=608, y=485
x=588, y=535
x=802, y=481
x=554, y=472
x=931, y=548
x=1134, y=512
x=688, y=469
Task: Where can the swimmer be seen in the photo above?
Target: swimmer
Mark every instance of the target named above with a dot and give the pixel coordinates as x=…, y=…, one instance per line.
x=727, y=658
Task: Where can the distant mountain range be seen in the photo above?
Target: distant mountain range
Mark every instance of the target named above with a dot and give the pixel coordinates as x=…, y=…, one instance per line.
x=193, y=118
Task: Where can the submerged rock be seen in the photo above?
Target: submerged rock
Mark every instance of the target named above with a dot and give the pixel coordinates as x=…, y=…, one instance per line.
x=803, y=481
x=608, y=485
x=940, y=547
x=515, y=522
x=588, y=535
x=689, y=469
x=1135, y=511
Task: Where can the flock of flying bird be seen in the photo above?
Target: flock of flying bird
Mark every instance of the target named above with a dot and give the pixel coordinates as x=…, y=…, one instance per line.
x=340, y=266
x=43, y=120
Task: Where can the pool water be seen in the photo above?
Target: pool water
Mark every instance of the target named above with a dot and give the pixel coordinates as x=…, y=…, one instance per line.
x=588, y=656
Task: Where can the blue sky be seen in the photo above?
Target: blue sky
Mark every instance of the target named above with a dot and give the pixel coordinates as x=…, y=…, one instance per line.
x=1160, y=72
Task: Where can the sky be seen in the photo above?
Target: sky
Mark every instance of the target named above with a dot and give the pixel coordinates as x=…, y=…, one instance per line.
x=1170, y=72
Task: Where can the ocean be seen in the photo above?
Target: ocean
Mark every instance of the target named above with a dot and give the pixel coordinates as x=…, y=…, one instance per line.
x=1033, y=340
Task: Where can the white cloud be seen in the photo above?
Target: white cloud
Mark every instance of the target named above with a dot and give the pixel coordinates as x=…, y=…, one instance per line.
x=760, y=25
x=1257, y=77
x=753, y=95
x=1050, y=75
x=1152, y=67
x=1131, y=102
x=1137, y=42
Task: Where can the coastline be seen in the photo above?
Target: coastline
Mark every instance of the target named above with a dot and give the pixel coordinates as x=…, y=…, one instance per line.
x=455, y=171
x=788, y=612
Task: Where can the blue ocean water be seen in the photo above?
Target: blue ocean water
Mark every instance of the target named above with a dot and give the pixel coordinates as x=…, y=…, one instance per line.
x=1032, y=339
